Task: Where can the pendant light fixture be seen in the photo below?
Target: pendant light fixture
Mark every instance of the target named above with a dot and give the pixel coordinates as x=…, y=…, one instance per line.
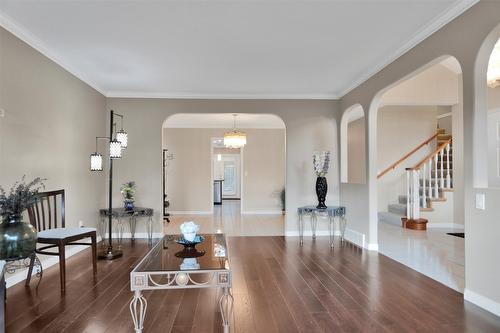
x=493, y=75
x=96, y=158
x=235, y=138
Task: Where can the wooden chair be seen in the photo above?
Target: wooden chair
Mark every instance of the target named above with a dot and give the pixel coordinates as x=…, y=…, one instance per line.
x=47, y=215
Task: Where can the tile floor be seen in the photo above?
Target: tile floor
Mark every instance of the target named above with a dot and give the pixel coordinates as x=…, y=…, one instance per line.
x=432, y=252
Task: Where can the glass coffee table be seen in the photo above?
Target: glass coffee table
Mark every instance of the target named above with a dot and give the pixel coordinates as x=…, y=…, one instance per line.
x=169, y=265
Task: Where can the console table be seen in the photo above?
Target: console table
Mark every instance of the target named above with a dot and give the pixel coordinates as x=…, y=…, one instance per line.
x=331, y=212
x=121, y=213
x=169, y=265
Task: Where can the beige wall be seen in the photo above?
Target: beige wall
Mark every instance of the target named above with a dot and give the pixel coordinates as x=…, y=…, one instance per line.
x=469, y=38
x=49, y=129
x=400, y=129
x=189, y=182
x=310, y=125
x=356, y=151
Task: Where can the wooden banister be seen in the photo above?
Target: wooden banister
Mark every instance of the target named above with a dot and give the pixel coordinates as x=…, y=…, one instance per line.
x=431, y=155
x=398, y=162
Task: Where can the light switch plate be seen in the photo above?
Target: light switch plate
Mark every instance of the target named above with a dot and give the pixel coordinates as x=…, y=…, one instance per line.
x=480, y=201
x=2, y=113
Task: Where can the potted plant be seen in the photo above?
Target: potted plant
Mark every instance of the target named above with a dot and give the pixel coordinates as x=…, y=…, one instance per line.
x=321, y=162
x=128, y=192
x=17, y=238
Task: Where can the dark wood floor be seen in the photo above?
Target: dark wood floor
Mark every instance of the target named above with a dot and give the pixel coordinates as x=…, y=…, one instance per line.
x=278, y=287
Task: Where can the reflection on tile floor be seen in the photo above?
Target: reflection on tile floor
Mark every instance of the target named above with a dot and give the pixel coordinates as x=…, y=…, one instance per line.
x=228, y=219
x=432, y=252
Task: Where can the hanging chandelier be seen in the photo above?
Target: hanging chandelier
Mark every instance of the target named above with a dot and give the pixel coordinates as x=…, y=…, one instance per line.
x=493, y=75
x=235, y=138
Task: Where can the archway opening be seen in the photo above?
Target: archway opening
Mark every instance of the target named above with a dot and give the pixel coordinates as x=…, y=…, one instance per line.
x=352, y=146
x=418, y=126
x=228, y=189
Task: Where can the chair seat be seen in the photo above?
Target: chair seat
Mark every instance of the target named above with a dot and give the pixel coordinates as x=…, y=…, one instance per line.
x=61, y=233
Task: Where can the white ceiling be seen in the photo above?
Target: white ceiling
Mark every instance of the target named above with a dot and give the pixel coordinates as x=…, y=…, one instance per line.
x=225, y=49
x=223, y=120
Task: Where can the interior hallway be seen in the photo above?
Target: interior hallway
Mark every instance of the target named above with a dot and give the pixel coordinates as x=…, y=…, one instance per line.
x=432, y=252
x=228, y=219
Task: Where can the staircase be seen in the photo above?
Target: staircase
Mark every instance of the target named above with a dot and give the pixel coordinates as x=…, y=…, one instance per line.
x=429, y=184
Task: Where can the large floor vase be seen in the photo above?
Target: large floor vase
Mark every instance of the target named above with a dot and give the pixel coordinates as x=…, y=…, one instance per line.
x=17, y=239
x=321, y=191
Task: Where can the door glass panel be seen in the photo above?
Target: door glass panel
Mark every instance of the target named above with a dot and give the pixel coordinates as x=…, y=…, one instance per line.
x=229, y=187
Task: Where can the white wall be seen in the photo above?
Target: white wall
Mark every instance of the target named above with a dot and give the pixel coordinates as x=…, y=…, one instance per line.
x=310, y=125
x=49, y=129
x=189, y=182
x=356, y=172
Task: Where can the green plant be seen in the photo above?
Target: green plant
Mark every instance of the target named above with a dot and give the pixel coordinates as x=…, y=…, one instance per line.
x=20, y=197
x=128, y=191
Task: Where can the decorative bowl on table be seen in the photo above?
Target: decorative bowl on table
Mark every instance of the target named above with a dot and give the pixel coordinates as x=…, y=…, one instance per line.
x=190, y=244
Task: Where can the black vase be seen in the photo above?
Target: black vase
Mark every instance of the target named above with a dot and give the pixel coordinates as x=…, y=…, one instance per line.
x=321, y=190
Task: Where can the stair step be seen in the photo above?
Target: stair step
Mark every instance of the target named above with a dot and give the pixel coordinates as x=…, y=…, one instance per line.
x=397, y=209
x=441, y=131
x=390, y=218
x=444, y=137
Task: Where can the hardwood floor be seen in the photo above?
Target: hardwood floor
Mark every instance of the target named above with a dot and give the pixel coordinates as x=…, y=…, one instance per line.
x=278, y=287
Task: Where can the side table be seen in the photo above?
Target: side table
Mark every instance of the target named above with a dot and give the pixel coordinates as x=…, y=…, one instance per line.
x=121, y=213
x=332, y=212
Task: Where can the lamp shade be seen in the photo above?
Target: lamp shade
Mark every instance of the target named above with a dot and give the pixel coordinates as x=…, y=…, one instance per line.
x=95, y=162
x=122, y=137
x=115, y=149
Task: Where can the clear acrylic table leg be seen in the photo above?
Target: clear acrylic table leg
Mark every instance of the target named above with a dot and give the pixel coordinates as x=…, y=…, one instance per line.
x=342, y=225
x=301, y=229
x=314, y=223
x=150, y=229
x=132, y=223
x=119, y=226
x=138, y=307
x=331, y=226
x=102, y=229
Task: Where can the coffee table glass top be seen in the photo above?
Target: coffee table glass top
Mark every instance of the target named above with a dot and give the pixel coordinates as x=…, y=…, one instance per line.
x=168, y=255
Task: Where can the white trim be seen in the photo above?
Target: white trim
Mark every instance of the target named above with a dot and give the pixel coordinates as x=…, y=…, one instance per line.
x=190, y=212
x=445, y=225
x=352, y=236
x=138, y=235
x=372, y=247
x=433, y=26
x=23, y=34
x=262, y=212
x=444, y=115
x=190, y=95
x=482, y=301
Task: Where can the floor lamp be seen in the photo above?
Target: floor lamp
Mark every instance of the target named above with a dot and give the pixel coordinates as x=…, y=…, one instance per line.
x=117, y=142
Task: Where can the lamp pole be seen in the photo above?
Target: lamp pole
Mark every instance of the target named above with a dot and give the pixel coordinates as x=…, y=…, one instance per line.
x=110, y=253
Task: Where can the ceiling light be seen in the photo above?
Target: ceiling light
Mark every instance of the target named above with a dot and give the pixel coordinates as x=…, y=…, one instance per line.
x=234, y=138
x=493, y=75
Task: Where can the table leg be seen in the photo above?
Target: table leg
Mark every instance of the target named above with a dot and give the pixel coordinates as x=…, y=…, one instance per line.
x=102, y=230
x=226, y=307
x=343, y=225
x=331, y=226
x=138, y=307
x=301, y=229
x=132, y=223
x=314, y=222
x=150, y=229
x=119, y=226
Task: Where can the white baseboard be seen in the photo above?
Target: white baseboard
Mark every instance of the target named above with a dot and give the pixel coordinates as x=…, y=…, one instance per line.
x=483, y=302
x=138, y=235
x=352, y=236
x=372, y=247
x=445, y=225
x=262, y=212
x=190, y=212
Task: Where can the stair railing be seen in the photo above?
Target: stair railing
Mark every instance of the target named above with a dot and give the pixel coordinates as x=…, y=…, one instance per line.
x=402, y=159
x=422, y=174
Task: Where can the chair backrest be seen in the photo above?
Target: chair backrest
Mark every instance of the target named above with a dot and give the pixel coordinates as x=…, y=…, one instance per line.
x=48, y=210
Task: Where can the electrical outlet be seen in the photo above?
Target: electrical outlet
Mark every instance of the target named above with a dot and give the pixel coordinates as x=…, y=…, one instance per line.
x=2, y=113
x=480, y=201
x=80, y=224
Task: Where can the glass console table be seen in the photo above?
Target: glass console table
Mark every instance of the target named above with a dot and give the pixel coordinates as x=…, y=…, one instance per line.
x=121, y=213
x=331, y=212
x=169, y=265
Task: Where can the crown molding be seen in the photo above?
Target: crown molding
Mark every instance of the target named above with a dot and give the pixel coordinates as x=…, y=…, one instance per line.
x=24, y=35
x=433, y=26
x=189, y=95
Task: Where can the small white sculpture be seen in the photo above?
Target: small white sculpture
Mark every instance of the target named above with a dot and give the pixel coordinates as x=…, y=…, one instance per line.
x=189, y=230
